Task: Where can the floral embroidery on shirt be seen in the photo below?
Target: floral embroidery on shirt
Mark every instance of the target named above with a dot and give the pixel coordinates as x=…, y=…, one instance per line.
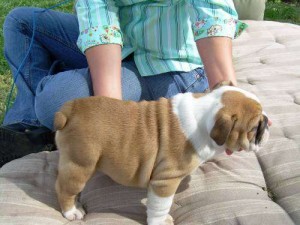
x=90, y=42
x=98, y=35
x=84, y=31
x=199, y=24
x=104, y=38
x=94, y=29
x=231, y=22
x=213, y=30
x=240, y=27
x=199, y=32
x=111, y=31
x=216, y=26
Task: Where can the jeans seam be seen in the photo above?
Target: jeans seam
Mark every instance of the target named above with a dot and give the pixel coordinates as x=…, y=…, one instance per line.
x=172, y=74
x=42, y=31
x=149, y=87
x=27, y=66
x=196, y=79
x=58, y=39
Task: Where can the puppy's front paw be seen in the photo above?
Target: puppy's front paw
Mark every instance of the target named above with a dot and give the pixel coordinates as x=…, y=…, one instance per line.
x=168, y=220
x=74, y=213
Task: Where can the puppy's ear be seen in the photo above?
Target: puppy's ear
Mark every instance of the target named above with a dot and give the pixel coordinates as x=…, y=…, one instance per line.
x=222, y=128
x=263, y=123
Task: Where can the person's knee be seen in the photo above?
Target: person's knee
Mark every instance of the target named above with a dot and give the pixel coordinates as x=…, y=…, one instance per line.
x=54, y=91
x=18, y=16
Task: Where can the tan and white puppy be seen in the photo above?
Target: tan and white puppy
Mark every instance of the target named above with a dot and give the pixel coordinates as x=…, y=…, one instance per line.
x=151, y=144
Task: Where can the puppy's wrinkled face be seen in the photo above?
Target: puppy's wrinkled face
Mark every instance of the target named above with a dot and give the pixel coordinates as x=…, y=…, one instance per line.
x=240, y=124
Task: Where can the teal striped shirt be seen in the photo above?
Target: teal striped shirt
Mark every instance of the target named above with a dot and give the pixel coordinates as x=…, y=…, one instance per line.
x=161, y=33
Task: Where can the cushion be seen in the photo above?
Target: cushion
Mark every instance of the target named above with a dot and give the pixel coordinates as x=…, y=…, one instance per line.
x=250, y=9
x=244, y=188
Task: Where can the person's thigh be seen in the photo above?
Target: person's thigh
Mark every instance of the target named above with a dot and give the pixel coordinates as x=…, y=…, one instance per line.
x=54, y=90
x=56, y=35
x=56, y=31
x=169, y=84
x=60, y=32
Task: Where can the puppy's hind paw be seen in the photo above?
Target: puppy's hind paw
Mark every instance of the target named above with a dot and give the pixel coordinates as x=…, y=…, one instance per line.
x=166, y=220
x=74, y=213
x=169, y=220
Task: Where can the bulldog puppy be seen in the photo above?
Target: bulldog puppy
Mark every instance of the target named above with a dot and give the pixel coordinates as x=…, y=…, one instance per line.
x=151, y=144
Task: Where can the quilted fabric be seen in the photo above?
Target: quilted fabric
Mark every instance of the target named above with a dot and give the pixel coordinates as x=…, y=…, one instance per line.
x=242, y=189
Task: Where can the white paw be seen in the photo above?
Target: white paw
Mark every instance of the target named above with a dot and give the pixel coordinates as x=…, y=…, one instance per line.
x=74, y=213
x=166, y=220
x=169, y=220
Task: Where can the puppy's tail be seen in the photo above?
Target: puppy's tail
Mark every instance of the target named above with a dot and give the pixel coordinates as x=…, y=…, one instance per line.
x=61, y=117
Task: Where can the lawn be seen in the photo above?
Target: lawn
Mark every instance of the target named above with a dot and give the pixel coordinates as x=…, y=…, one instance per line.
x=280, y=11
x=275, y=10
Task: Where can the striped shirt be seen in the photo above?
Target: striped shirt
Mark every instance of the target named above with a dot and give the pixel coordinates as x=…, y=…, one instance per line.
x=160, y=33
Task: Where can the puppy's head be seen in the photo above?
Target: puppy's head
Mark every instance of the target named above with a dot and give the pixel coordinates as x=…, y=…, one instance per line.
x=239, y=122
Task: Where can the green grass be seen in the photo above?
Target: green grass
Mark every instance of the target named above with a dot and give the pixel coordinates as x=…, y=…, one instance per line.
x=275, y=10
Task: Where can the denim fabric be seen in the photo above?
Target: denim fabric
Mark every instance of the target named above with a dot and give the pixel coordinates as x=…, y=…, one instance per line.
x=55, y=39
x=57, y=71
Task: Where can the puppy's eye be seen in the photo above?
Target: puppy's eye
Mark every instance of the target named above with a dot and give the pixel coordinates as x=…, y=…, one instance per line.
x=254, y=129
x=251, y=134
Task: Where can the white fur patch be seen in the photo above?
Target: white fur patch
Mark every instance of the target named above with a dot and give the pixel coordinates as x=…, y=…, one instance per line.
x=158, y=208
x=74, y=213
x=197, y=118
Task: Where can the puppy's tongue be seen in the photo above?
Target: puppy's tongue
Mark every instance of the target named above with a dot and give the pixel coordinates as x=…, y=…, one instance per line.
x=228, y=152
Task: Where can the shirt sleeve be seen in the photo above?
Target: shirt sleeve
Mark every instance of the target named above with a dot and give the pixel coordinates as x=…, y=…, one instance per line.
x=214, y=18
x=98, y=23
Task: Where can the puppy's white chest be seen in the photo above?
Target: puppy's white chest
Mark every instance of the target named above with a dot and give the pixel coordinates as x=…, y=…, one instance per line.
x=192, y=115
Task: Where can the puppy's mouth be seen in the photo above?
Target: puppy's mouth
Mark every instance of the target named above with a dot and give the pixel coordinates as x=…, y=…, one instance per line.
x=254, y=145
x=230, y=152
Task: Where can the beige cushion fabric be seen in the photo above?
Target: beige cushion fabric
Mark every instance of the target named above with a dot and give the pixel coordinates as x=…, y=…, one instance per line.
x=227, y=190
x=267, y=60
x=250, y=9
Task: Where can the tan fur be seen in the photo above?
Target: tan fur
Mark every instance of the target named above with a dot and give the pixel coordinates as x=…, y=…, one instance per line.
x=235, y=125
x=131, y=142
x=199, y=95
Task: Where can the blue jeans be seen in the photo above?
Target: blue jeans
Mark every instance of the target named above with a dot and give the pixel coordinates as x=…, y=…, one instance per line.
x=56, y=71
